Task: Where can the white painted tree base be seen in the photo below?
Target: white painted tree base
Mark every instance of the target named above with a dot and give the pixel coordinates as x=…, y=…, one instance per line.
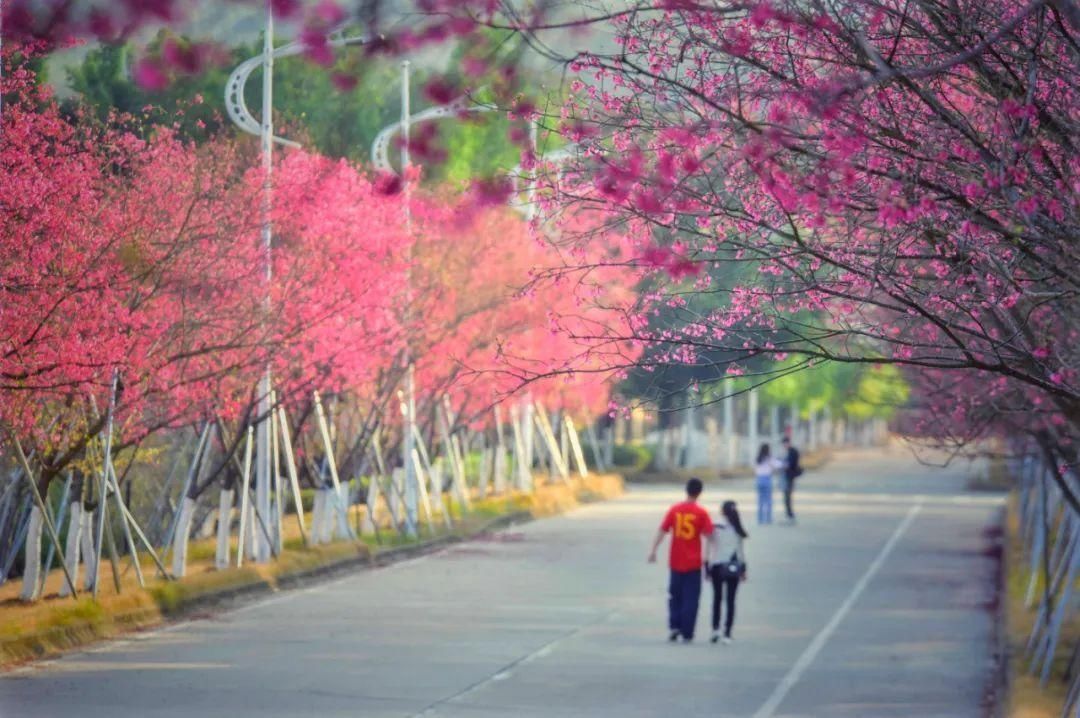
x=249, y=538
x=180, y=539
x=500, y=471
x=324, y=526
x=76, y=528
x=31, y=586
x=341, y=517
x=86, y=540
x=318, y=512
x=224, y=527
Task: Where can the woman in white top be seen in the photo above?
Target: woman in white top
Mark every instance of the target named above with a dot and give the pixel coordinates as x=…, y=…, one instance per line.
x=763, y=473
x=725, y=562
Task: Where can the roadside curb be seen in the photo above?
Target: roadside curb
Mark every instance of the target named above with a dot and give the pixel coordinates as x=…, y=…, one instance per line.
x=998, y=691
x=165, y=603
x=811, y=462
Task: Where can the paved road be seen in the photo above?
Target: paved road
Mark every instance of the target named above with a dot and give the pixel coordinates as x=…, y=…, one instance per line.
x=876, y=604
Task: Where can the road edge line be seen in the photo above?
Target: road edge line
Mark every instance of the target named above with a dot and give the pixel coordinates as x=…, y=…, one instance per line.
x=768, y=708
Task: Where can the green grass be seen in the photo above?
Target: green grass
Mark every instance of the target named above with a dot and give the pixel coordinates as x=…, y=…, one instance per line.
x=1027, y=698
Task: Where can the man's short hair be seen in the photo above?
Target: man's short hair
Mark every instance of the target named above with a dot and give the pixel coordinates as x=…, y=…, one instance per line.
x=693, y=488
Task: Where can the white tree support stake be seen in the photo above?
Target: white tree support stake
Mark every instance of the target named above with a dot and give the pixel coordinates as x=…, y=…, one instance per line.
x=60, y=516
x=107, y=467
x=182, y=528
x=435, y=475
x=544, y=425
x=371, y=501
x=575, y=447
x=41, y=507
x=134, y=526
x=457, y=455
x=594, y=446
x=463, y=484
x=435, y=492
x=425, y=501
x=275, y=452
x=76, y=530
x=329, y=447
x=392, y=494
x=245, y=477
x=102, y=494
x=290, y=466
x=196, y=460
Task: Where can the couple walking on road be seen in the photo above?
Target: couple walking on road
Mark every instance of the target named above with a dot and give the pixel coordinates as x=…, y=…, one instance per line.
x=723, y=563
x=764, y=468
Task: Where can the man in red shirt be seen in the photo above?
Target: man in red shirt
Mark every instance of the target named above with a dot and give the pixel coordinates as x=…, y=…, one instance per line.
x=688, y=524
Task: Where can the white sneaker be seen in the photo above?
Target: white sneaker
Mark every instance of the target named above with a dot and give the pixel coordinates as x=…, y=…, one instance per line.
x=727, y=640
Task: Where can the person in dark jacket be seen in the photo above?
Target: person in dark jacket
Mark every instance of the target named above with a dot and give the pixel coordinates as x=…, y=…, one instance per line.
x=792, y=471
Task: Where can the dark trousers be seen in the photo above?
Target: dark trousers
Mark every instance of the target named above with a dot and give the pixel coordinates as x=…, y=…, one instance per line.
x=723, y=589
x=789, y=486
x=684, y=592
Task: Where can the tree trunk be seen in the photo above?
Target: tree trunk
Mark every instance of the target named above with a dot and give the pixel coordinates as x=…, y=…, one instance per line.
x=499, y=470
x=318, y=511
x=250, y=542
x=86, y=540
x=180, y=539
x=31, y=589
x=76, y=529
x=221, y=558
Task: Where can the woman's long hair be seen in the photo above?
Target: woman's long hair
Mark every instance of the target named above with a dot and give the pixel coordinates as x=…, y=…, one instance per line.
x=763, y=453
x=732, y=515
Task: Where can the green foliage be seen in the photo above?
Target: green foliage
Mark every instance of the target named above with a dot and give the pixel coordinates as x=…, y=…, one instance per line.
x=104, y=83
x=338, y=123
x=308, y=106
x=477, y=146
x=307, y=499
x=636, y=457
x=862, y=391
x=881, y=389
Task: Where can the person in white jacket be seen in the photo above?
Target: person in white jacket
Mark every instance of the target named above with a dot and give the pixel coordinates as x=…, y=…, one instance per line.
x=725, y=565
x=763, y=475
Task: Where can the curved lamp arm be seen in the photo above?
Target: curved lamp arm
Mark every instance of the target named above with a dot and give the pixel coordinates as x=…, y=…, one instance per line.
x=235, y=104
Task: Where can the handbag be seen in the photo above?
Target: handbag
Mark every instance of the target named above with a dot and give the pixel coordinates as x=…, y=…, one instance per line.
x=732, y=568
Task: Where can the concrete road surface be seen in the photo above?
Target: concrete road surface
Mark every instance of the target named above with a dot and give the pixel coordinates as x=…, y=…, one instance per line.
x=878, y=603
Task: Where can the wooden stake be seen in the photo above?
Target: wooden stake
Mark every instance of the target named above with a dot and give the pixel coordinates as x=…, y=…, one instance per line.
x=343, y=505
x=49, y=527
x=290, y=466
x=575, y=447
x=245, y=478
x=138, y=531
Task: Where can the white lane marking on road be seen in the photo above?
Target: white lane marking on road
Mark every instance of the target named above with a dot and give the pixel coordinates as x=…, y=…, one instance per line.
x=507, y=671
x=768, y=708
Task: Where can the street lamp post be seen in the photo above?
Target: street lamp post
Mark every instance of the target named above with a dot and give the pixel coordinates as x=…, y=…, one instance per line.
x=408, y=445
x=262, y=458
x=238, y=112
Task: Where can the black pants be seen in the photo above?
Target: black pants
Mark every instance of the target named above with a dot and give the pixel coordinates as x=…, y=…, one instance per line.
x=684, y=592
x=789, y=486
x=723, y=588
